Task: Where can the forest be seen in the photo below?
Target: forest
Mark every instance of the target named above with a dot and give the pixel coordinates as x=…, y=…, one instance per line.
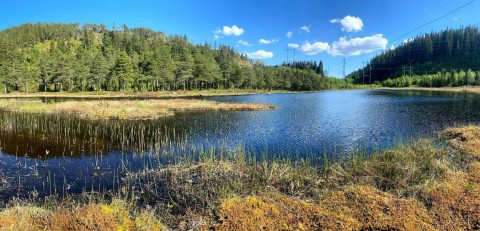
x=447, y=58
x=90, y=57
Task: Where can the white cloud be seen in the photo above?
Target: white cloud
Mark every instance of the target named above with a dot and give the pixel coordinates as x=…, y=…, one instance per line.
x=306, y=28
x=245, y=43
x=335, y=20
x=314, y=48
x=229, y=31
x=357, y=46
x=407, y=40
x=349, y=23
x=260, y=54
x=216, y=36
x=392, y=47
x=293, y=45
x=289, y=34
x=267, y=41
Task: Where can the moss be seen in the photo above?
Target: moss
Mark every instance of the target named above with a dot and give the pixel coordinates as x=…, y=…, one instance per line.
x=464, y=139
x=373, y=209
x=278, y=212
x=455, y=203
x=114, y=216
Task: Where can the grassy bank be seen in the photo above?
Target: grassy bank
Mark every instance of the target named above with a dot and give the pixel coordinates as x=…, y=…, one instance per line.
x=127, y=94
x=414, y=186
x=463, y=89
x=125, y=109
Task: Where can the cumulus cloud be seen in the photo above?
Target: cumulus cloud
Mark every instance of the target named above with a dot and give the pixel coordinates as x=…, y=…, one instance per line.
x=314, y=48
x=349, y=23
x=306, y=28
x=267, y=41
x=289, y=34
x=229, y=31
x=357, y=46
x=293, y=45
x=245, y=43
x=260, y=54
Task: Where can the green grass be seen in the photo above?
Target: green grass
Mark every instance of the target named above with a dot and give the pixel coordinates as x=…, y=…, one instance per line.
x=415, y=185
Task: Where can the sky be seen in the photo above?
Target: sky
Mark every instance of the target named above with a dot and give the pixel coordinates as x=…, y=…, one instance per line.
x=336, y=32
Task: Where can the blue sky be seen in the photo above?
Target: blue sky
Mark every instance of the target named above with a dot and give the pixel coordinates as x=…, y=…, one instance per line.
x=318, y=30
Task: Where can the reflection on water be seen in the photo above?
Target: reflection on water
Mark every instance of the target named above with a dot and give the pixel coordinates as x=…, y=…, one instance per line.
x=65, y=154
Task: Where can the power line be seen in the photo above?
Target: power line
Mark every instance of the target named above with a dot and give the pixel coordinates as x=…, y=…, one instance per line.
x=430, y=22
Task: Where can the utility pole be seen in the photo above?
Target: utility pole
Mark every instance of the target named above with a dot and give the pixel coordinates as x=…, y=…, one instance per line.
x=370, y=75
x=363, y=73
x=287, y=54
x=344, y=79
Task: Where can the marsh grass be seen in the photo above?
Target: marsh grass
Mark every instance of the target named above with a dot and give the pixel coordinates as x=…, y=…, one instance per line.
x=125, y=109
x=413, y=186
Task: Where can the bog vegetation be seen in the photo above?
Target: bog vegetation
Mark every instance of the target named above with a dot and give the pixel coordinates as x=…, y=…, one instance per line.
x=89, y=57
x=414, y=186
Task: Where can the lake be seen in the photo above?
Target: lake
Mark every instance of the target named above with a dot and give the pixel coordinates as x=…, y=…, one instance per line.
x=53, y=154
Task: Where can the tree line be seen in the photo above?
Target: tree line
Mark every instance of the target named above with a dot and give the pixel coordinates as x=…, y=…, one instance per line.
x=439, y=79
x=435, y=54
x=90, y=57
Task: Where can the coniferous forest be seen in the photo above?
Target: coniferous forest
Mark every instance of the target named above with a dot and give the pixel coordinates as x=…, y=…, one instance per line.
x=89, y=57
x=447, y=58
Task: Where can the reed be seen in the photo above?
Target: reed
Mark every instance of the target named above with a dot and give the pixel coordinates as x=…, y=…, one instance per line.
x=125, y=109
x=185, y=185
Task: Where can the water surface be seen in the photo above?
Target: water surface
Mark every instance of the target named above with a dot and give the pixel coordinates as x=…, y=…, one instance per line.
x=54, y=154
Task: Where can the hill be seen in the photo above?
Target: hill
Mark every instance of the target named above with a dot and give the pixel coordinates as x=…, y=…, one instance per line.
x=437, y=57
x=90, y=57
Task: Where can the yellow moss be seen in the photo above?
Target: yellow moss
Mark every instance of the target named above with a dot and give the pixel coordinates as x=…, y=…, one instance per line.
x=456, y=203
x=114, y=216
x=24, y=218
x=278, y=212
x=473, y=170
x=376, y=210
x=466, y=139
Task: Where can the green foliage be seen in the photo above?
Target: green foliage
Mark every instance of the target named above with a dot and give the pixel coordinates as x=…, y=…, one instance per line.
x=439, y=79
x=90, y=57
x=426, y=55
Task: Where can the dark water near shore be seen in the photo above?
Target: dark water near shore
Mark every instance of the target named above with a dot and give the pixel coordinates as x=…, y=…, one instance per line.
x=54, y=154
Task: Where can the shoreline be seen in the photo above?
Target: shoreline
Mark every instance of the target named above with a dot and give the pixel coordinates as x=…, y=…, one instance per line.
x=133, y=95
x=412, y=186
x=463, y=89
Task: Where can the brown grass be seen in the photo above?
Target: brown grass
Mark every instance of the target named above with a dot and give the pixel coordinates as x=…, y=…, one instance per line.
x=278, y=212
x=355, y=208
x=464, y=139
x=126, y=109
x=114, y=216
x=415, y=186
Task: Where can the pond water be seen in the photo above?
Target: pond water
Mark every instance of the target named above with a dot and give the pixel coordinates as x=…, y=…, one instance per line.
x=52, y=154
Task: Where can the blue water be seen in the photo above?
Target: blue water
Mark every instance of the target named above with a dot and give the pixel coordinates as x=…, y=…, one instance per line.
x=327, y=123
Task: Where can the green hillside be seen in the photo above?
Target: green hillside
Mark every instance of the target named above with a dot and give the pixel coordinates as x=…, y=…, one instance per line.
x=89, y=57
x=438, y=59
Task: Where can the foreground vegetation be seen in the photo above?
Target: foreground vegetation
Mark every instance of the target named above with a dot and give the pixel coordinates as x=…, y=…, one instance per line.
x=125, y=109
x=414, y=186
